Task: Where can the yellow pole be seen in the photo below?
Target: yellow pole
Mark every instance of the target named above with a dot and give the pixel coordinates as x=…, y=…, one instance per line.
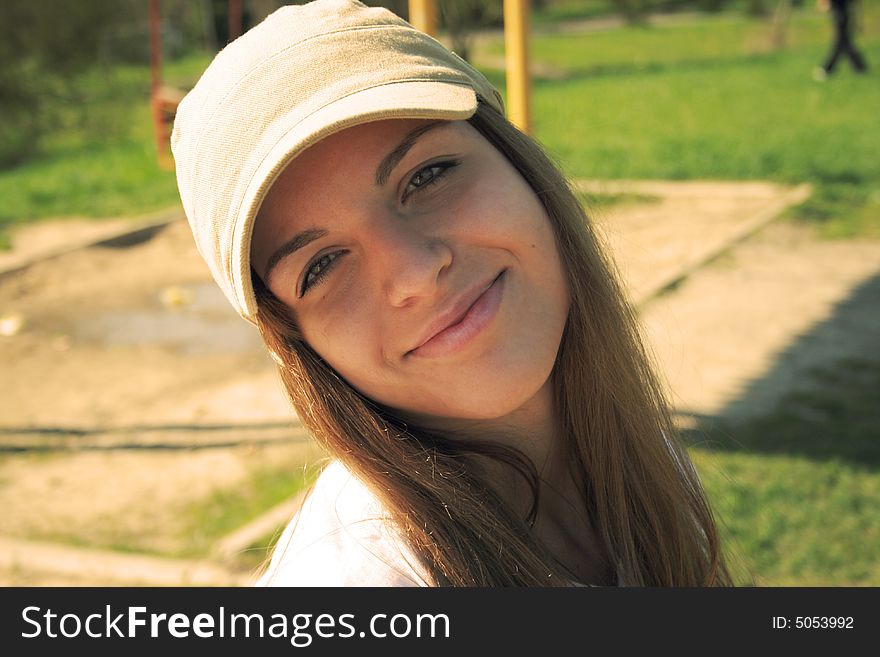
x=423, y=16
x=516, y=54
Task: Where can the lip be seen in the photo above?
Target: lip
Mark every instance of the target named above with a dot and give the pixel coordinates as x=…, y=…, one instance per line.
x=463, y=321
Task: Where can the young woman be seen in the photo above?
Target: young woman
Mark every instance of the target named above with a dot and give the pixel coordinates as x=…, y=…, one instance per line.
x=444, y=319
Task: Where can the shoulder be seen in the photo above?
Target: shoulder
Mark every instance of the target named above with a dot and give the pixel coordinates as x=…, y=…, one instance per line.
x=342, y=536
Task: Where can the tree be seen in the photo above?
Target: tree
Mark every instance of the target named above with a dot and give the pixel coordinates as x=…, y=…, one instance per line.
x=633, y=11
x=462, y=17
x=42, y=45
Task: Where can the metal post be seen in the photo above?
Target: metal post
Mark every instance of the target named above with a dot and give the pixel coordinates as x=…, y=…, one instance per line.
x=155, y=46
x=516, y=55
x=156, y=81
x=780, y=22
x=235, y=11
x=423, y=16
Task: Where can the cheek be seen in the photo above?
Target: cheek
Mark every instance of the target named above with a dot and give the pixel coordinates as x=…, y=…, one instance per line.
x=505, y=205
x=346, y=336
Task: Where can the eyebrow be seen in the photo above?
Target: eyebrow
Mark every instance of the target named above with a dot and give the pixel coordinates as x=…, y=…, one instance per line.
x=295, y=243
x=386, y=166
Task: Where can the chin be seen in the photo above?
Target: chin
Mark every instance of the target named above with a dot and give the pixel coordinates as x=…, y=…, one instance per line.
x=488, y=402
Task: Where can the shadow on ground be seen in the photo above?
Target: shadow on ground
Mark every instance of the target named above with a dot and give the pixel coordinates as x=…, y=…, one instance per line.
x=832, y=409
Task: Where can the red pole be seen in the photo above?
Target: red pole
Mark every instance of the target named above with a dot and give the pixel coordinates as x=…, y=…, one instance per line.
x=234, y=19
x=156, y=80
x=155, y=45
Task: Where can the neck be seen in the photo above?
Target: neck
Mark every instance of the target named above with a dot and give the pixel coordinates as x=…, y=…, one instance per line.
x=562, y=522
x=533, y=430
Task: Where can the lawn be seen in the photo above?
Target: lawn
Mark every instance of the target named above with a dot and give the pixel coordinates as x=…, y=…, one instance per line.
x=103, y=164
x=711, y=99
x=797, y=491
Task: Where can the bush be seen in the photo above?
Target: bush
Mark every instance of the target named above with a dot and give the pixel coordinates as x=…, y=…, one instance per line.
x=43, y=45
x=20, y=127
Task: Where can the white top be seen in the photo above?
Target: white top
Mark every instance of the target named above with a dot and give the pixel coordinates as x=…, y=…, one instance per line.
x=342, y=537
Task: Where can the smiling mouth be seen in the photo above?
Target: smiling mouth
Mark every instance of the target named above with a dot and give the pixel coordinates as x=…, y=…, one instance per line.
x=467, y=326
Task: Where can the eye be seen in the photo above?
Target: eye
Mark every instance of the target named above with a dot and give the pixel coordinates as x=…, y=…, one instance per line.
x=317, y=270
x=427, y=176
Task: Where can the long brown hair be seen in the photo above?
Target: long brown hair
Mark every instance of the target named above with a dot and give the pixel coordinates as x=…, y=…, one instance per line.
x=636, y=480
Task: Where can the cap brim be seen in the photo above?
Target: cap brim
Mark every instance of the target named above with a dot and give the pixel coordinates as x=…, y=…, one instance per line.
x=422, y=99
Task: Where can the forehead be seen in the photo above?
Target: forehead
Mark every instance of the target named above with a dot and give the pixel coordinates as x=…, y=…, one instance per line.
x=353, y=157
x=368, y=143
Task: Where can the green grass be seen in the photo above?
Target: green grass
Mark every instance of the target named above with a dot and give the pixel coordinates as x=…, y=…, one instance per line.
x=711, y=100
x=797, y=491
x=842, y=210
x=103, y=162
x=758, y=119
x=790, y=521
x=601, y=200
x=571, y=10
x=228, y=509
x=709, y=39
x=192, y=528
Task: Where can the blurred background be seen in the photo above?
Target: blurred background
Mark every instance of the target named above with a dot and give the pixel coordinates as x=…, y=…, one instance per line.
x=144, y=437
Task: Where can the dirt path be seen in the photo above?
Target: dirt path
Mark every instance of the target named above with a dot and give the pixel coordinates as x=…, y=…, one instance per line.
x=132, y=345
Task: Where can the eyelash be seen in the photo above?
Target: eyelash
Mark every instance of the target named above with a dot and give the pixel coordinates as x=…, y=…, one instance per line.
x=444, y=168
x=323, y=270
x=327, y=258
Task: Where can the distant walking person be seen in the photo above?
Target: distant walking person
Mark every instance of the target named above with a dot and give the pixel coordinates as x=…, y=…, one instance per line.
x=841, y=13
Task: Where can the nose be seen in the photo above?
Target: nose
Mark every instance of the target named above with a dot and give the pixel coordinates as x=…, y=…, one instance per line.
x=409, y=261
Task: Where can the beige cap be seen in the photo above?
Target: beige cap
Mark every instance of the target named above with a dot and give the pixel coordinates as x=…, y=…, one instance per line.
x=302, y=74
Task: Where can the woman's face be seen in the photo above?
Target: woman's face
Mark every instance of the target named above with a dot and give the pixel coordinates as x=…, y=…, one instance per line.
x=418, y=264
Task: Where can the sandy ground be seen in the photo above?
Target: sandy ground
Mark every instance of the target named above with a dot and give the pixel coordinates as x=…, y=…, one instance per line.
x=132, y=344
x=141, y=498
x=131, y=335
x=748, y=328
